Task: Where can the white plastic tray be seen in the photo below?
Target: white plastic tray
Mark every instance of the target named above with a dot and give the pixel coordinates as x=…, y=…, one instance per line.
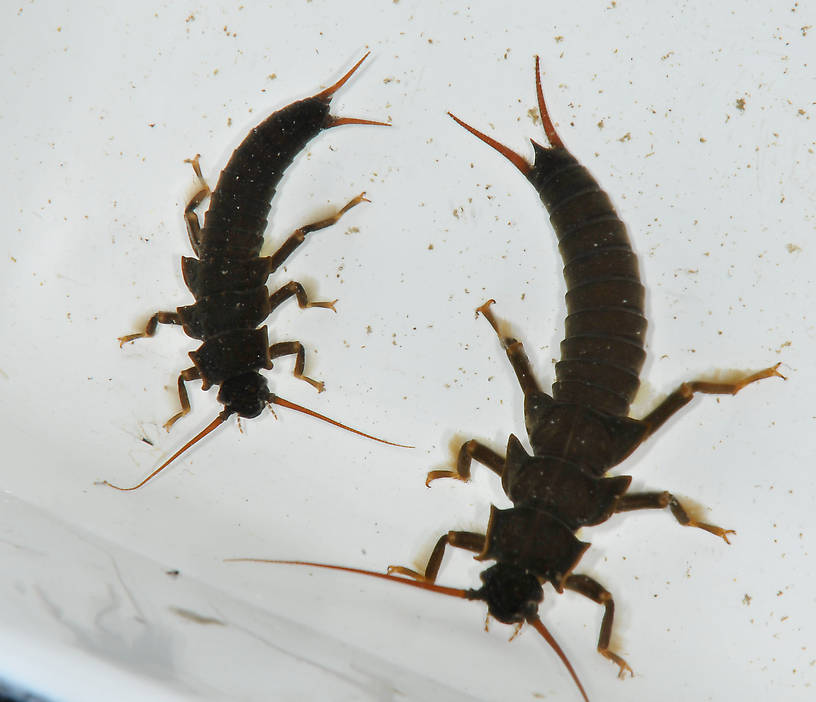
x=103, y=102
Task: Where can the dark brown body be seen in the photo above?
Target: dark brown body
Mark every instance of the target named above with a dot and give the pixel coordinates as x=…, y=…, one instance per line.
x=578, y=433
x=228, y=279
x=602, y=352
x=582, y=430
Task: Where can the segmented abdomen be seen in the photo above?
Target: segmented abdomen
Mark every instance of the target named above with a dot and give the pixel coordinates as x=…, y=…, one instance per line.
x=236, y=218
x=602, y=351
x=228, y=279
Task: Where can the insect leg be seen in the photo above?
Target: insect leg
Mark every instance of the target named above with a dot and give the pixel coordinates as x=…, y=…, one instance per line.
x=299, y=235
x=515, y=353
x=188, y=374
x=682, y=396
x=596, y=592
x=461, y=539
x=288, y=348
x=193, y=226
x=296, y=289
x=473, y=449
x=470, y=450
x=152, y=323
x=661, y=500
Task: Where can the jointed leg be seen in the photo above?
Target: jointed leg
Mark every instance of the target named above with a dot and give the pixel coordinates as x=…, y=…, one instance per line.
x=193, y=231
x=289, y=348
x=188, y=374
x=661, y=500
x=461, y=539
x=470, y=450
x=296, y=289
x=515, y=353
x=590, y=588
x=473, y=449
x=299, y=235
x=193, y=226
x=682, y=396
x=152, y=323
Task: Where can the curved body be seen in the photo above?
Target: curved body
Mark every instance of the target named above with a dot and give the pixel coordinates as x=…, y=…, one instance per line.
x=602, y=352
x=228, y=277
x=235, y=220
x=579, y=432
x=228, y=280
x=582, y=429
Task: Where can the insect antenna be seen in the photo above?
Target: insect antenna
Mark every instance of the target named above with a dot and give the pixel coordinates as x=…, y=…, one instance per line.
x=220, y=420
x=275, y=400
x=451, y=591
x=210, y=427
x=548, y=637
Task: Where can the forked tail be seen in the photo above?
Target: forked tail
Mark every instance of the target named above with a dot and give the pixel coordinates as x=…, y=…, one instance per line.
x=327, y=94
x=602, y=352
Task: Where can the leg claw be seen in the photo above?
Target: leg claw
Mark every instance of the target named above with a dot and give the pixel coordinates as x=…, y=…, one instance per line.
x=617, y=660
x=485, y=307
x=437, y=474
x=711, y=529
x=327, y=305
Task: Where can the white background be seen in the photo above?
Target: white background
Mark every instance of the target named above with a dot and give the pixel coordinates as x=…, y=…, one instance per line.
x=103, y=102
